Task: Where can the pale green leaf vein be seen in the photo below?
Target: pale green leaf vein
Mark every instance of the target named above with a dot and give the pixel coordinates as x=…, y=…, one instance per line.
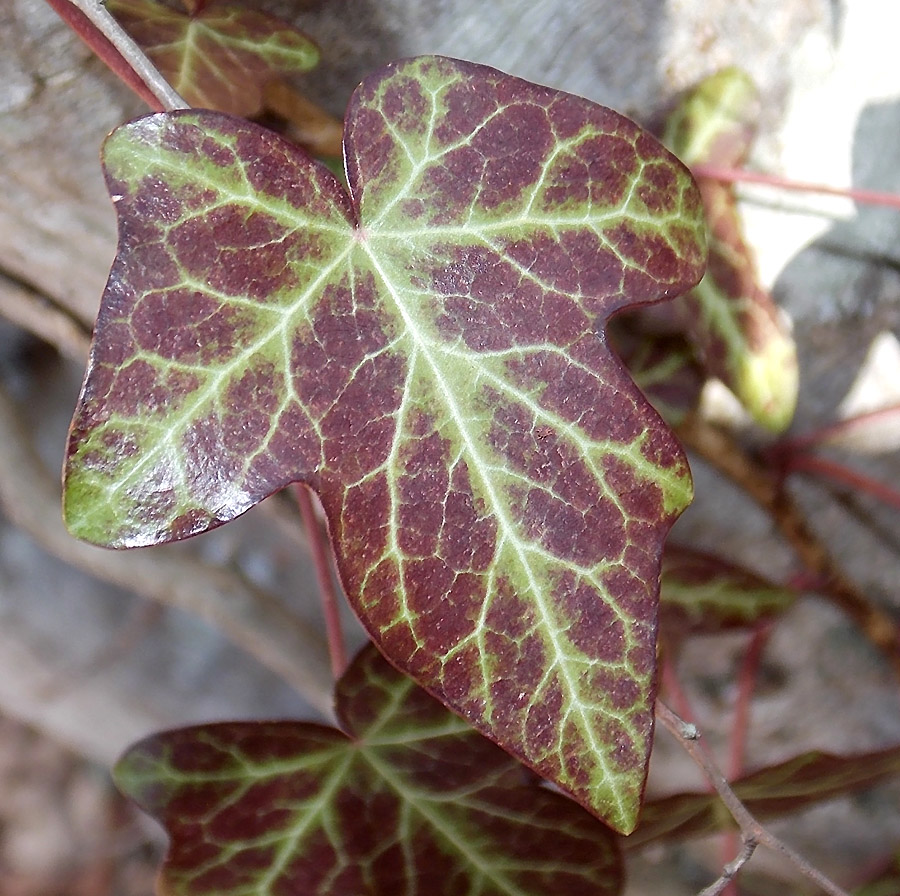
x=505, y=525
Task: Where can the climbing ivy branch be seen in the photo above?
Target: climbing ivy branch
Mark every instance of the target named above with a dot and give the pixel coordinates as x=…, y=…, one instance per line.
x=91, y=21
x=321, y=553
x=753, y=834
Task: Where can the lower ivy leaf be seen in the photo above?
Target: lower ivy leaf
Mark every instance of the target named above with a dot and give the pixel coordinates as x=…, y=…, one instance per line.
x=427, y=353
x=408, y=799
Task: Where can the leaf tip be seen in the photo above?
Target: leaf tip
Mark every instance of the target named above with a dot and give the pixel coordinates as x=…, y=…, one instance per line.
x=767, y=383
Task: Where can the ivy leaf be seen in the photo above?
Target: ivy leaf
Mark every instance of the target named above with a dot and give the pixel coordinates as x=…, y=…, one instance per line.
x=701, y=592
x=662, y=364
x=737, y=329
x=426, y=353
x=407, y=799
x=218, y=58
x=769, y=793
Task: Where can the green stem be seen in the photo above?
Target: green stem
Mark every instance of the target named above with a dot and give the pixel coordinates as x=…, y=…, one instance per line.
x=747, y=677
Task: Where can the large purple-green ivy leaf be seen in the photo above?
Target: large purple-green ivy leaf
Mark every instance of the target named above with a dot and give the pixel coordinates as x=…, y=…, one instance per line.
x=428, y=354
x=407, y=799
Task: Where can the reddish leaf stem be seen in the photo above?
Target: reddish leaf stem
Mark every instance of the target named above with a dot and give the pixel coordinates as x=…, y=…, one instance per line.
x=318, y=543
x=833, y=430
x=801, y=462
x=90, y=20
x=752, y=832
x=747, y=677
x=104, y=50
x=740, y=175
x=674, y=691
x=765, y=486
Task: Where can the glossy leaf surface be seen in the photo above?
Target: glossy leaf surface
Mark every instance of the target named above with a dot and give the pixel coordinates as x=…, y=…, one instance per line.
x=701, y=592
x=406, y=799
x=768, y=793
x=218, y=58
x=734, y=323
x=426, y=353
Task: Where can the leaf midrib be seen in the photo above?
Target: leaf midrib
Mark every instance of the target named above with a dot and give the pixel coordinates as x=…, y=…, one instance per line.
x=510, y=534
x=445, y=831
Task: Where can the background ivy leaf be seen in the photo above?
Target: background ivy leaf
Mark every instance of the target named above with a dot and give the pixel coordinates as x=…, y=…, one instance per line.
x=768, y=793
x=663, y=364
x=735, y=326
x=221, y=57
x=428, y=355
x=407, y=799
x=701, y=592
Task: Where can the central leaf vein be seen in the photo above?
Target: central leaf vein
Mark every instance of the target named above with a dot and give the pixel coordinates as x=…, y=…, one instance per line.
x=505, y=524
